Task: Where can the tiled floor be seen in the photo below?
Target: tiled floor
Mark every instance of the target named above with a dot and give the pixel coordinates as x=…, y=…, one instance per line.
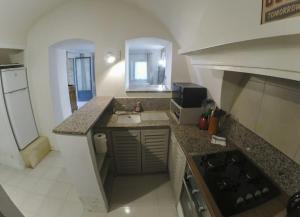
x=46, y=191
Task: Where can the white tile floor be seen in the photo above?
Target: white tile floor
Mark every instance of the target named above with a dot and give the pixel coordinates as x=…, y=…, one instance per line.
x=46, y=191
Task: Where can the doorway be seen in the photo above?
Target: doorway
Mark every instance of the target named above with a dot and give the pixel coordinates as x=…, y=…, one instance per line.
x=81, y=78
x=72, y=76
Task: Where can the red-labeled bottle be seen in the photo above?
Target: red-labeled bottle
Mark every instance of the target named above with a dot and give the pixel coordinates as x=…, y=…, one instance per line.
x=203, y=124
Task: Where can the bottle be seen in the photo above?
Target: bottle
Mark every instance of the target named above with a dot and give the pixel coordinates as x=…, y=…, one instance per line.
x=138, y=107
x=203, y=123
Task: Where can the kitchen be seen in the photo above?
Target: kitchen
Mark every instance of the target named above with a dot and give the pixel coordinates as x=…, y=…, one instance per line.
x=159, y=151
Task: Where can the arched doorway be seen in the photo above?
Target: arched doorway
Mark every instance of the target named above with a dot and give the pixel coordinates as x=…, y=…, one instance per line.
x=72, y=77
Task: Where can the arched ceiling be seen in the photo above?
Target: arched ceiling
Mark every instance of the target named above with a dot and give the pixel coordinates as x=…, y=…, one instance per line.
x=193, y=23
x=17, y=16
x=198, y=24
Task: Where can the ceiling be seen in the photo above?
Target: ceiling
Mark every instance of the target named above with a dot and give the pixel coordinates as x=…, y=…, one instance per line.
x=193, y=23
x=17, y=16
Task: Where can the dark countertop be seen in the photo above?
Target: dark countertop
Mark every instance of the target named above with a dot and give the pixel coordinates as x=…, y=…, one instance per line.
x=81, y=121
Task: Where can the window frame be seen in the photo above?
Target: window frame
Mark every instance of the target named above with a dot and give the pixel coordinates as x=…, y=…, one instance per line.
x=143, y=86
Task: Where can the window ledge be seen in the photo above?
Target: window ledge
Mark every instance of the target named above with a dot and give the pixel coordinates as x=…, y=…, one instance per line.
x=158, y=88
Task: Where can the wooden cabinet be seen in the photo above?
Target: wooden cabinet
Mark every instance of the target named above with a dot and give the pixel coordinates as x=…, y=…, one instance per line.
x=127, y=151
x=177, y=164
x=155, y=145
x=73, y=99
x=141, y=151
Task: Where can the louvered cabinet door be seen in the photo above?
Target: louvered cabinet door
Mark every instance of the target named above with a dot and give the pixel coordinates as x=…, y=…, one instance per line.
x=155, y=145
x=127, y=151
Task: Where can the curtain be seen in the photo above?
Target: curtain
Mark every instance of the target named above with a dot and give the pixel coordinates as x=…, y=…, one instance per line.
x=149, y=68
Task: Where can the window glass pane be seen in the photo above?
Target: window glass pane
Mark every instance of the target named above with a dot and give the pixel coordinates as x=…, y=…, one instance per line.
x=140, y=71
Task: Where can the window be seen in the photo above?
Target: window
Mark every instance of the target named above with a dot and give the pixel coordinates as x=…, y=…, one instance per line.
x=140, y=71
x=148, y=64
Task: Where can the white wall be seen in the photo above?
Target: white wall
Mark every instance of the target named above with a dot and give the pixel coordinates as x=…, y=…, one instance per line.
x=107, y=23
x=211, y=79
x=205, y=23
x=16, y=17
x=59, y=84
x=198, y=24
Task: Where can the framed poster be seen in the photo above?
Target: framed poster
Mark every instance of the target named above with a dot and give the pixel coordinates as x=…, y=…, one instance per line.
x=279, y=9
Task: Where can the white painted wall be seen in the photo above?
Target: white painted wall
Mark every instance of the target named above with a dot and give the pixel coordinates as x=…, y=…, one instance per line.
x=203, y=23
x=198, y=24
x=80, y=161
x=16, y=17
x=59, y=84
x=107, y=23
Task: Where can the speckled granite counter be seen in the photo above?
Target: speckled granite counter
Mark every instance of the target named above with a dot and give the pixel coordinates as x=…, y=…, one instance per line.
x=81, y=121
x=191, y=139
x=284, y=171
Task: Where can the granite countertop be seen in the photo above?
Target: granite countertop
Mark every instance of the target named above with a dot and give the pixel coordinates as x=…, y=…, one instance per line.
x=191, y=139
x=110, y=121
x=81, y=121
x=195, y=141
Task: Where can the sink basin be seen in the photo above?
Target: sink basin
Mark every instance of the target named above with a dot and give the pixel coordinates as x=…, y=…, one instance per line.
x=154, y=116
x=129, y=119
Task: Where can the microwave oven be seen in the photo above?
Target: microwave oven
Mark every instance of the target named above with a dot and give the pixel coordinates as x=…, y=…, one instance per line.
x=188, y=95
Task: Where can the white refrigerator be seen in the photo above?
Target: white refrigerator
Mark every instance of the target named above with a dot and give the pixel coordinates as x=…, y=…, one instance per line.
x=18, y=105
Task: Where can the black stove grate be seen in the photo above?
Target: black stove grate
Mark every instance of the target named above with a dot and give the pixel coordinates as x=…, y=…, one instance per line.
x=235, y=182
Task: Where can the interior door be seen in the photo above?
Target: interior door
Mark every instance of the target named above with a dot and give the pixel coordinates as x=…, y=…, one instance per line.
x=83, y=74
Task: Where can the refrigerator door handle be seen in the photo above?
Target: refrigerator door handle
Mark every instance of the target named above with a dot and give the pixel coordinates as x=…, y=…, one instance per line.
x=15, y=91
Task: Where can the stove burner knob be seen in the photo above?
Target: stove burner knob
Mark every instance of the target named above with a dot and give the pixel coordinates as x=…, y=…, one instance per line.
x=257, y=193
x=249, y=196
x=239, y=201
x=265, y=190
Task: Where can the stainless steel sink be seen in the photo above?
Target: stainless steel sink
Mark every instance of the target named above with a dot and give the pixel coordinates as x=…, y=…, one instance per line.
x=129, y=119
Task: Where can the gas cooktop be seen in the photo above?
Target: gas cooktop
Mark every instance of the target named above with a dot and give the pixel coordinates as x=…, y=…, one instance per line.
x=234, y=181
